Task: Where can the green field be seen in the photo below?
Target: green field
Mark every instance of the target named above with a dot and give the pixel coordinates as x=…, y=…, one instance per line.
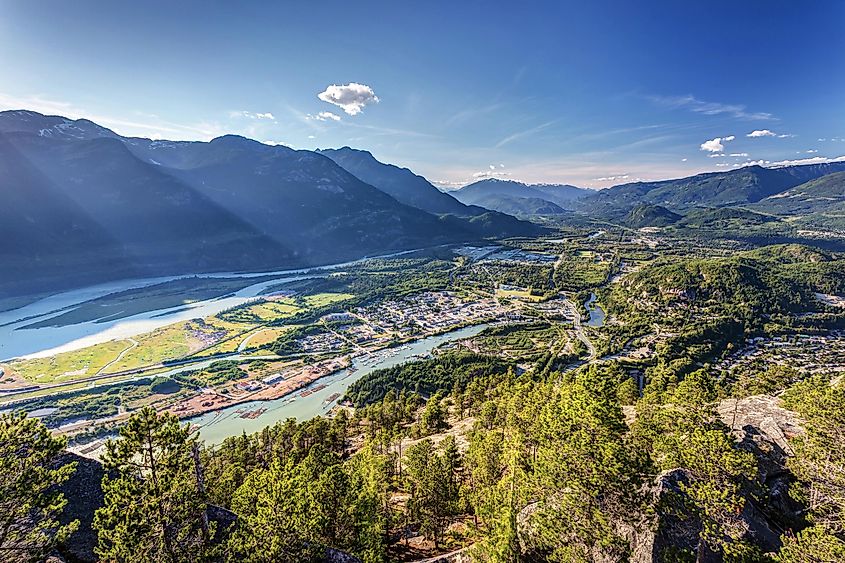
x=68, y=366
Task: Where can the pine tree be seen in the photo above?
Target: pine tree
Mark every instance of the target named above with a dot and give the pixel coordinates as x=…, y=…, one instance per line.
x=153, y=510
x=428, y=483
x=29, y=500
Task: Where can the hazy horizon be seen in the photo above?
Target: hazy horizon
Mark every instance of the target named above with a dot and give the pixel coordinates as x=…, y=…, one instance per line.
x=551, y=94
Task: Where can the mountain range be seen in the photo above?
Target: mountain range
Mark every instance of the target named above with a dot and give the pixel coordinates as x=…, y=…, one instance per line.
x=740, y=187
x=84, y=204
x=516, y=198
x=787, y=190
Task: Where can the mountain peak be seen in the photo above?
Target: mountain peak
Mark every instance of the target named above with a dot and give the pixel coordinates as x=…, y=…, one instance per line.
x=240, y=141
x=55, y=126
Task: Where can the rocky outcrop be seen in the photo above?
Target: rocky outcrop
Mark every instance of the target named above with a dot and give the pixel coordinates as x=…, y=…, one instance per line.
x=84, y=494
x=762, y=427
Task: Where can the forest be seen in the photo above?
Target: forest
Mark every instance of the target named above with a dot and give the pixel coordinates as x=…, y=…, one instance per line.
x=535, y=457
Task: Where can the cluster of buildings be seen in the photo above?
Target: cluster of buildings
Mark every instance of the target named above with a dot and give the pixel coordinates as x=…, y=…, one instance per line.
x=804, y=352
x=320, y=343
x=432, y=311
x=504, y=254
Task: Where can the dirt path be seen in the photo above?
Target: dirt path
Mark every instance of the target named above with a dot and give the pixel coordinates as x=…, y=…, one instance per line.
x=133, y=344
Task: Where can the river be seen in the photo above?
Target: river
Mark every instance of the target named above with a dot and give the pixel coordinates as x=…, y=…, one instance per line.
x=597, y=314
x=214, y=427
x=18, y=342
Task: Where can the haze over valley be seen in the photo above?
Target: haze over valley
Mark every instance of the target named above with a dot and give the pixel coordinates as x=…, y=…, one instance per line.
x=554, y=282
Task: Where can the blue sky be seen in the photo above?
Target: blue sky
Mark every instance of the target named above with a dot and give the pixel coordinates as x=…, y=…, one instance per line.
x=591, y=93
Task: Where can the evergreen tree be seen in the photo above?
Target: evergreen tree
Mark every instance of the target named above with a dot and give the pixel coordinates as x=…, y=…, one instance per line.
x=433, y=417
x=819, y=464
x=428, y=483
x=153, y=509
x=29, y=500
x=685, y=433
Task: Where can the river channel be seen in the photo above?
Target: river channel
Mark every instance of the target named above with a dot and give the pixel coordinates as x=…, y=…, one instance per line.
x=320, y=396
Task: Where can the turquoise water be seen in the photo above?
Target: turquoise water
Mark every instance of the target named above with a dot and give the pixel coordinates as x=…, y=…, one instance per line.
x=214, y=427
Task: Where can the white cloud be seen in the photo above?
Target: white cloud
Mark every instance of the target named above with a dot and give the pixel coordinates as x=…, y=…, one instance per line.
x=351, y=98
x=612, y=178
x=812, y=151
x=738, y=154
x=447, y=184
x=716, y=155
x=761, y=133
x=715, y=145
x=323, y=116
x=812, y=160
x=489, y=174
x=821, y=139
x=683, y=160
x=785, y=136
x=709, y=108
x=252, y=115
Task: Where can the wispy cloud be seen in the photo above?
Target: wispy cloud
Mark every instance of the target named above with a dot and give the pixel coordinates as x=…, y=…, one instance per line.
x=615, y=178
x=525, y=133
x=691, y=103
x=761, y=133
x=482, y=174
x=470, y=113
x=252, y=115
x=323, y=116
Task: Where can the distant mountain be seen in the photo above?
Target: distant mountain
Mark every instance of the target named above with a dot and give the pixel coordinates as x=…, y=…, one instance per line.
x=82, y=204
x=822, y=195
x=513, y=197
x=53, y=126
x=742, y=186
x=414, y=190
x=520, y=206
x=650, y=216
x=402, y=184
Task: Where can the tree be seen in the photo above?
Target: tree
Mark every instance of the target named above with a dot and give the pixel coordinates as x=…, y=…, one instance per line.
x=153, y=510
x=292, y=511
x=433, y=417
x=819, y=460
x=271, y=517
x=486, y=467
x=428, y=482
x=29, y=499
x=685, y=433
x=812, y=545
x=627, y=391
x=773, y=379
x=586, y=473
